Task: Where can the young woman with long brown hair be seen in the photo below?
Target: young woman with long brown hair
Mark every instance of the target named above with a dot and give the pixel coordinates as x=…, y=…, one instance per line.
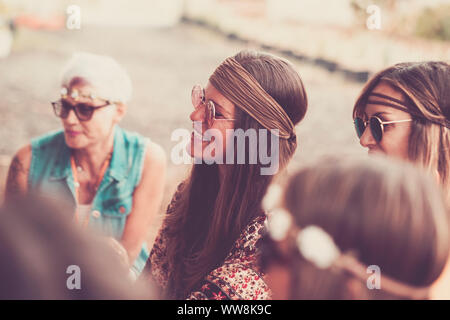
x=209, y=241
x=407, y=108
x=357, y=229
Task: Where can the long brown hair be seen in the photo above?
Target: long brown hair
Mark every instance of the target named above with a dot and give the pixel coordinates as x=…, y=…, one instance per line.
x=208, y=216
x=385, y=213
x=425, y=87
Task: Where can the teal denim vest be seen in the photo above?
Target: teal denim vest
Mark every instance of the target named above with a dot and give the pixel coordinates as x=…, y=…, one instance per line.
x=51, y=173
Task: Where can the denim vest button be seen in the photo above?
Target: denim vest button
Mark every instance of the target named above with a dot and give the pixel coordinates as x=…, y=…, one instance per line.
x=96, y=214
x=122, y=209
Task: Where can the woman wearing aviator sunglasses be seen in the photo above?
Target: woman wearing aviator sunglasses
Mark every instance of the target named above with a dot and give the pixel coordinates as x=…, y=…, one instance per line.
x=406, y=109
x=114, y=178
x=404, y=112
x=208, y=245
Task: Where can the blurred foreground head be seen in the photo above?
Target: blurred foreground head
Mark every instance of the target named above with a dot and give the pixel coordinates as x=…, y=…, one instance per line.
x=41, y=250
x=377, y=213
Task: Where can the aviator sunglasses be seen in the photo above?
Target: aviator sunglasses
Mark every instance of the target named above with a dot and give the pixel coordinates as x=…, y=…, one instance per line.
x=199, y=99
x=376, y=126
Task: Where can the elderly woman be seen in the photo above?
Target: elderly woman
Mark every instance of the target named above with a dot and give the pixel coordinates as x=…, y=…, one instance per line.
x=113, y=177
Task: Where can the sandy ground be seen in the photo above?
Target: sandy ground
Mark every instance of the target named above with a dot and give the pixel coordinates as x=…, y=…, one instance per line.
x=163, y=64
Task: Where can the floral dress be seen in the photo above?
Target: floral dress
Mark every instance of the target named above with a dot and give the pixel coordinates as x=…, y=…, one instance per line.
x=239, y=278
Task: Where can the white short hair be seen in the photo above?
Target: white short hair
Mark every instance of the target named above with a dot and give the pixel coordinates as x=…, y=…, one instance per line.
x=110, y=80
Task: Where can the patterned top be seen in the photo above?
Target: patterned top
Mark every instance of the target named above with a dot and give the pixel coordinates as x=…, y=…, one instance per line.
x=239, y=278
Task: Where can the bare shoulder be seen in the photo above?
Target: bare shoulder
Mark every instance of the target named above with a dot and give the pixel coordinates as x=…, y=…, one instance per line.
x=155, y=155
x=154, y=165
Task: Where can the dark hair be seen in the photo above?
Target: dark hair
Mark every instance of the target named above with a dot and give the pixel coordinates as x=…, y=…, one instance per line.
x=209, y=216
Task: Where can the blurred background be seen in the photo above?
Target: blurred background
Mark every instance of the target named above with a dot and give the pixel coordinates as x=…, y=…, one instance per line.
x=167, y=46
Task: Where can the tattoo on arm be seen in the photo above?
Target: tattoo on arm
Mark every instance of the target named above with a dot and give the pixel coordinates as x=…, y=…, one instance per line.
x=15, y=170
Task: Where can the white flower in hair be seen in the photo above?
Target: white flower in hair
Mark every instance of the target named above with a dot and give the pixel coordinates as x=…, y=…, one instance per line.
x=74, y=94
x=279, y=223
x=64, y=91
x=317, y=246
x=272, y=198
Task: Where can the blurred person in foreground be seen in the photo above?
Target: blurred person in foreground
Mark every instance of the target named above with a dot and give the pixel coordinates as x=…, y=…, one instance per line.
x=209, y=240
x=356, y=229
x=404, y=112
x=114, y=178
x=45, y=256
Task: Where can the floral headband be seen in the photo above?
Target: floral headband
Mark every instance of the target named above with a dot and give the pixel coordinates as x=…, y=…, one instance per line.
x=318, y=247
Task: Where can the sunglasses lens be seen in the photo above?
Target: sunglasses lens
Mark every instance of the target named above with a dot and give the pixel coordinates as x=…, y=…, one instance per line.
x=376, y=128
x=84, y=112
x=359, y=126
x=197, y=95
x=61, y=109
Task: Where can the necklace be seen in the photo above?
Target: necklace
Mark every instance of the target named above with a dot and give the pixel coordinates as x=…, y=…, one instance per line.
x=75, y=170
